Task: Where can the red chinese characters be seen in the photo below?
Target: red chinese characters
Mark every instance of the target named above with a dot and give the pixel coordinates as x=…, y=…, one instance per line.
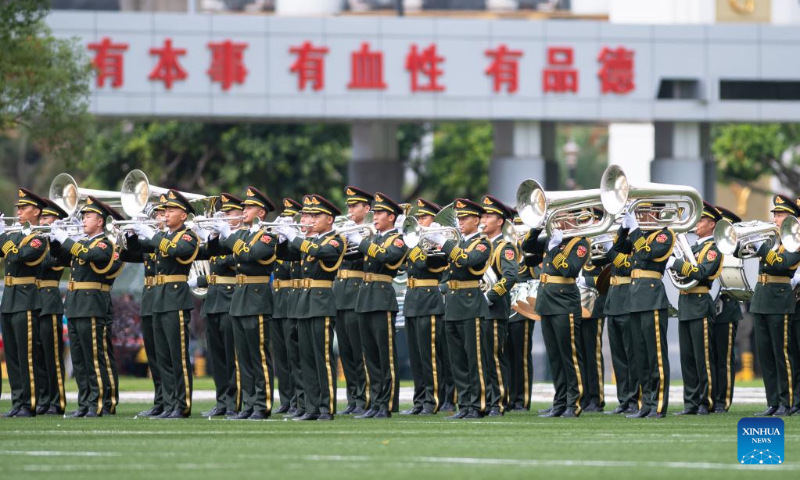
x=309, y=66
x=504, y=68
x=559, y=76
x=168, y=68
x=366, y=69
x=424, y=64
x=109, y=62
x=616, y=74
x=227, y=63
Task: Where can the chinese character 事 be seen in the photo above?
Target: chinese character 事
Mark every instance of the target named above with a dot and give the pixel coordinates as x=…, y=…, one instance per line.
x=227, y=63
x=309, y=66
x=109, y=62
x=168, y=68
x=559, y=76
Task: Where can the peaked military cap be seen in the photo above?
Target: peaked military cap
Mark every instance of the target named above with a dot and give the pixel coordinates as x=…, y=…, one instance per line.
x=291, y=207
x=94, y=205
x=710, y=211
x=466, y=207
x=53, y=209
x=175, y=199
x=782, y=203
x=426, y=207
x=254, y=197
x=384, y=203
x=728, y=215
x=493, y=205
x=229, y=202
x=26, y=197
x=355, y=195
x=318, y=204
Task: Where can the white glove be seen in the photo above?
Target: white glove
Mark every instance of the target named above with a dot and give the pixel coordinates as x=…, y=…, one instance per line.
x=580, y=281
x=2, y=226
x=795, y=279
x=192, y=282
x=288, y=232
x=285, y=220
x=255, y=228
x=556, y=236
x=281, y=237
x=144, y=231
x=58, y=234
x=437, y=238
x=354, y=238
x=435, y=225
x=203, y=234
x=222, y=229
x=670, y=262
x=630, y=222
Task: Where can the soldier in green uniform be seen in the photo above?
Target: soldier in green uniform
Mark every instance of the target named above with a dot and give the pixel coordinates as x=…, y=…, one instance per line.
x=111, y=376
x=322, y=253
x=794, y=337
x=251, y=307
x=647, y=305
x=175, y=250
x=558, y=302
x=281, y=324
x=466, y=307
x=423, y=310
x=216, y=309
x=773, y=305
x=348, y=323
x=377, y=303
x=696, y=313
x=503, y=264
x=52, y=400
x=91, y=259
x=23, y=254
x=134, y=253
x=726, y=324
x=620, y=334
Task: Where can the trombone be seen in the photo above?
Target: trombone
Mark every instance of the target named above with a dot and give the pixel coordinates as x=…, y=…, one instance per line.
x=65, y=193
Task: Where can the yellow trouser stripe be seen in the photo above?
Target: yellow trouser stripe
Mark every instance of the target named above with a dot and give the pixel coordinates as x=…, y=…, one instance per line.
x=433, y=365
x=391, y=358
x=368, y=398
x=598, y=358
x=30, y=361
x=480, y=363
x=660, y=364
x=188, y=393
x=329, y=371
x=707, y=355
x=728, y=362
x=786, y=358
x=497, y=365
x=109, y=372
x=525, y=353
x=97, y=367
x=62, y=398
x=575, y=363
x=238, y=382
x=263, y=354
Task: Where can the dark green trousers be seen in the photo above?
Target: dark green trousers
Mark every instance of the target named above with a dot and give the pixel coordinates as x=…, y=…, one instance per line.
x=493, y=341
x=317, y=364
x=723, y=352
x=772, y=343
x=351, y=354
x=593, y=365
x=651, y=355
x=447, y=386
x=172, y=348
x=293, y=352
x=111, y=374
x=280, y=358
x=52, y=363
x=149, y=339
x=620, y=342
x=251, y=337
x=20, y=331
x=696, y=363
x=464, y=345
x=795, y=353
x=380, y=357
x=562, y=337
x=222, y=350
x=424, y=335
x=87, y=347
x=520, y=354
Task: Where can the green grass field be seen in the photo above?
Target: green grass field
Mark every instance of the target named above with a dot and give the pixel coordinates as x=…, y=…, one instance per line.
x=520, y=445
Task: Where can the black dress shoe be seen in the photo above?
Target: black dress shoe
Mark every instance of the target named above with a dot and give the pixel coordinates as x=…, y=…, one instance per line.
x=242, y=415
x=383, y=414
x=107, y=412
x=570, y=413
x=782, y=411
x=53, y=410
x=794, y=411
x=544, y=411
x=162, y=415
x=177, y=415
x=297, y=414
x=552, y=414
x=153, y=412
x=656, y=415
x=770, y=411
x=11, y=412
x=348, y=410
x=325, y=417
x=25, y=412
x=495, y=413
x=426, y=412
x=592, y=408
x=702, y=410
x=291, y=412
x=92, y=414
x=259, y=415
x=447, y=407
x=458, y=415
x=633, y=409
x=686, y=411
x=411, y=411
x=41, y=409
x=720, y=409
x=283, y=409
x=518, y=408
x=215, y=412
x=640, y=414
x=368, y=414
x=617, y=411
x=306, y=417
x=473, y=415
x=359, y=411
x=79, y=413
x=231, y=413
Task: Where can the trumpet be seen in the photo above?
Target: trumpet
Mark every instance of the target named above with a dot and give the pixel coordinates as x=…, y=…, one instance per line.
x=65, y=193
x=119, y=228
x=744, y=238
x=11, y=220
x=540, y=209
x=790, y=234
x=415, y=234
x=366, y=229
x=202, y=221
x=71, y=228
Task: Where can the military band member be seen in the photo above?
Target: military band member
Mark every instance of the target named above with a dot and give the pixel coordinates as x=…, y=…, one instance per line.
x=220, y=284
x=559, y=304
x=348, y=323
x=465, y=307
x=773, y=305
x=794, y=337
x=423, y=310
x=134, y=253
x=91, y=259
x=111, y=374
x=696, y=313
x=175, y=250
x=281, y=324
x=494, y=328
x=53, y=400
x=726, y=324
x=23, y=255
x=322, y=254
x=648, y=305
x=251, y=307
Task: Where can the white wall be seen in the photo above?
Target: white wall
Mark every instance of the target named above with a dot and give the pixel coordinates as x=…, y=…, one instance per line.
x=662, y=11
x=632, y=146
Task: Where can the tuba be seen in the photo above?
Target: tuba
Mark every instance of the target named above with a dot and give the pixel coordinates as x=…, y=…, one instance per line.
x=65, y=193
x=415, y=234
x=744, y=238
x=790, y=234
x=540, y=209
x=137, y=192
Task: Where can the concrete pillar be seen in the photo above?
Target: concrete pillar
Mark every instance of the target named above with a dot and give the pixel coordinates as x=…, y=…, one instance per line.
x=308, y=7
x=682, y=156
x=522, y=149
x=375, y=165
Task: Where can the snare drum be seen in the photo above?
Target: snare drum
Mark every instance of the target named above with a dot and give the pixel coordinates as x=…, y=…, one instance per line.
x=739, y=277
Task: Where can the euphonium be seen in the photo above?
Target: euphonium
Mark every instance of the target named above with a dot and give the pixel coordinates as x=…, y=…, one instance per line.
x=65, y=193
x=744, y=238
x=790, y=234
x=137, y=192
x=573, y=209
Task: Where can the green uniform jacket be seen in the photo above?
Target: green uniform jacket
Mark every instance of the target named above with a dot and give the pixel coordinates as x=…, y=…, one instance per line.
x=591, y=271
x=23, y=255
x=255, y=255
x=651, y=250
x=50, y=297
x=775, y=298
x=383, y=255
x=218, y=297
x=346, y=289
x=290, y=258
x=565, y=260
x=620, y=257
x=321, y=257
x=468, y=261
x=117, y=266
x=134, y=253
x=709, y=265
x=424, y=301
x=175, y=252
x=504, y=263
x=280, y=298
x=91, y=259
